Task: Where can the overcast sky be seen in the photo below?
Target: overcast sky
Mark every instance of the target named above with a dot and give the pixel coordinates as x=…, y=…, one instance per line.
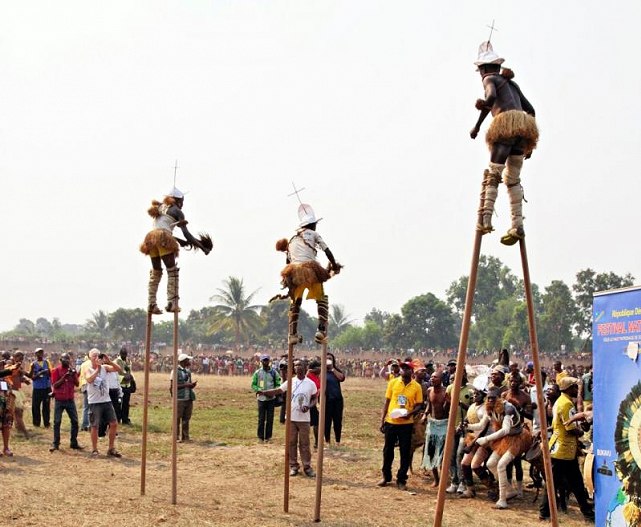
x=367, y=104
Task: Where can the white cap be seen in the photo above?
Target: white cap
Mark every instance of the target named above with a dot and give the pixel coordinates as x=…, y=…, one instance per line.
x=306, y=215
x=175, y=193
x=487, y=55
x=183, y=356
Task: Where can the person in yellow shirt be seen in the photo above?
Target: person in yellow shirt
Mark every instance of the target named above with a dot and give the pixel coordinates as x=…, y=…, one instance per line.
x=403, y=399
x=559, y=372
x=563, y=449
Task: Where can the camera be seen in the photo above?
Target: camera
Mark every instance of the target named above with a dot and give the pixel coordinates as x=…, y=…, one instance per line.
x=102, y=356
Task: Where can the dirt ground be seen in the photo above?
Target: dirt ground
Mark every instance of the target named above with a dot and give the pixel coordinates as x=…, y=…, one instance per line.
x=225, y=478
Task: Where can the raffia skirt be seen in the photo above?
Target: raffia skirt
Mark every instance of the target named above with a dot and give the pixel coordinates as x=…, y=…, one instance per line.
x=307, y=275
x=513, y=124
x=516, y=444
x=159, y=242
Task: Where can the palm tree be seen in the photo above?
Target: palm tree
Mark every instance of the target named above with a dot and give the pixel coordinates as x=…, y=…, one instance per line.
x=234, y=310
x=339, y=319
x=98, y=324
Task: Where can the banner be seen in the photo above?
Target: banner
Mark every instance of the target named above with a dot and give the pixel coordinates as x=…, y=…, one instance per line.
x=616, y=336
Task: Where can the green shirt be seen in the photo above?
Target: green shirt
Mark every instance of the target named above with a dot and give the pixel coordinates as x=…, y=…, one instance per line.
x=265, y=380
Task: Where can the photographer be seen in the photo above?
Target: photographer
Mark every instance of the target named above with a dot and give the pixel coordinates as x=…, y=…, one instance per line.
x=64, y=380
x=100, y=407
x=40, y=373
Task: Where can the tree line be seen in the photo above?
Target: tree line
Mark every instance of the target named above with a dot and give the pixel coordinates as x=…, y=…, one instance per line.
x=499, y=318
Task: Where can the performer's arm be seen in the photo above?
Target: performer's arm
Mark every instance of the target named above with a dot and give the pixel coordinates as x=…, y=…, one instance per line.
x=475, y=427
x=502, y=432
x=484, y=105
x=525, y=104
x=335, y=267
x=181, y=222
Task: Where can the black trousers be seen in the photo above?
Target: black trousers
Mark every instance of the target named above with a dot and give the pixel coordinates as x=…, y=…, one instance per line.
x=58, y=408
x=333, y=415
x=402, y=434
x=40, y=406
x=124, y=407
x=265, y=419
x=567, y=474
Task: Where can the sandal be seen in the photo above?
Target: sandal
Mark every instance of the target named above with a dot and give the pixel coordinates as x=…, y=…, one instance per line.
x=95, y=453
x=8, y=452
x=113, y=453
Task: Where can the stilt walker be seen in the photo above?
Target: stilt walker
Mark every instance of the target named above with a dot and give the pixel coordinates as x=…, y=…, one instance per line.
x=511, y=138
x=302, y=272
x=162, y=247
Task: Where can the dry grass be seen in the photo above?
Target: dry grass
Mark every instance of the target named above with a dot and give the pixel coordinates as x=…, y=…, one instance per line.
x=224, y=477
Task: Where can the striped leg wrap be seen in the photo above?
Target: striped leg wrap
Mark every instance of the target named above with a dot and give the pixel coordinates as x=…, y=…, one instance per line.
x=154, y=281
x=323, y=319
x=172, y=290
x=489, y=192
x=294, y=311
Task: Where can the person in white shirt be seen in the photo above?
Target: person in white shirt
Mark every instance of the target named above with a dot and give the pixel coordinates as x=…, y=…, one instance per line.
x=100, y=407
x=303, y=394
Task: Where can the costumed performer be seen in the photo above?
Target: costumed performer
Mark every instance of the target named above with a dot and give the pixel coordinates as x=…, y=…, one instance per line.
x=162, y=247
x=511, y=138
x=304, y=272
x=509, y=440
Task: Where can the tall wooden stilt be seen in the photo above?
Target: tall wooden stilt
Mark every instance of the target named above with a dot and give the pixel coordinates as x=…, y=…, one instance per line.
x=321, y=433
x=458, y=379
x=462, y=351
x=145, y=406
x=288, y=421
x=540, y=402
x=174, y=414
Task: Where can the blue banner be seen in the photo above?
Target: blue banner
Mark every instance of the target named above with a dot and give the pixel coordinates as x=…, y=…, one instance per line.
x=616, y=336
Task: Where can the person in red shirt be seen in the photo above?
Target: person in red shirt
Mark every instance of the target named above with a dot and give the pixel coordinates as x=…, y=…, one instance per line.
x=64, y=381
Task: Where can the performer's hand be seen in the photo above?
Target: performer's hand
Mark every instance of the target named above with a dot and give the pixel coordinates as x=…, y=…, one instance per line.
x=481, y=441
x=474, y=132
x=480, y=104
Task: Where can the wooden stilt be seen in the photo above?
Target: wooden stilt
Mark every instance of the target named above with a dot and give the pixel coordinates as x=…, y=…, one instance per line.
x=288, y=421
x=458, y=379
x=540, y=402
x=462, y=351
x=145, y=407
x=174, y=415
x=321, y=433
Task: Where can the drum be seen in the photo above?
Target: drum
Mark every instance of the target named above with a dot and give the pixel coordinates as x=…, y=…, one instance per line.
x=588, y=473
